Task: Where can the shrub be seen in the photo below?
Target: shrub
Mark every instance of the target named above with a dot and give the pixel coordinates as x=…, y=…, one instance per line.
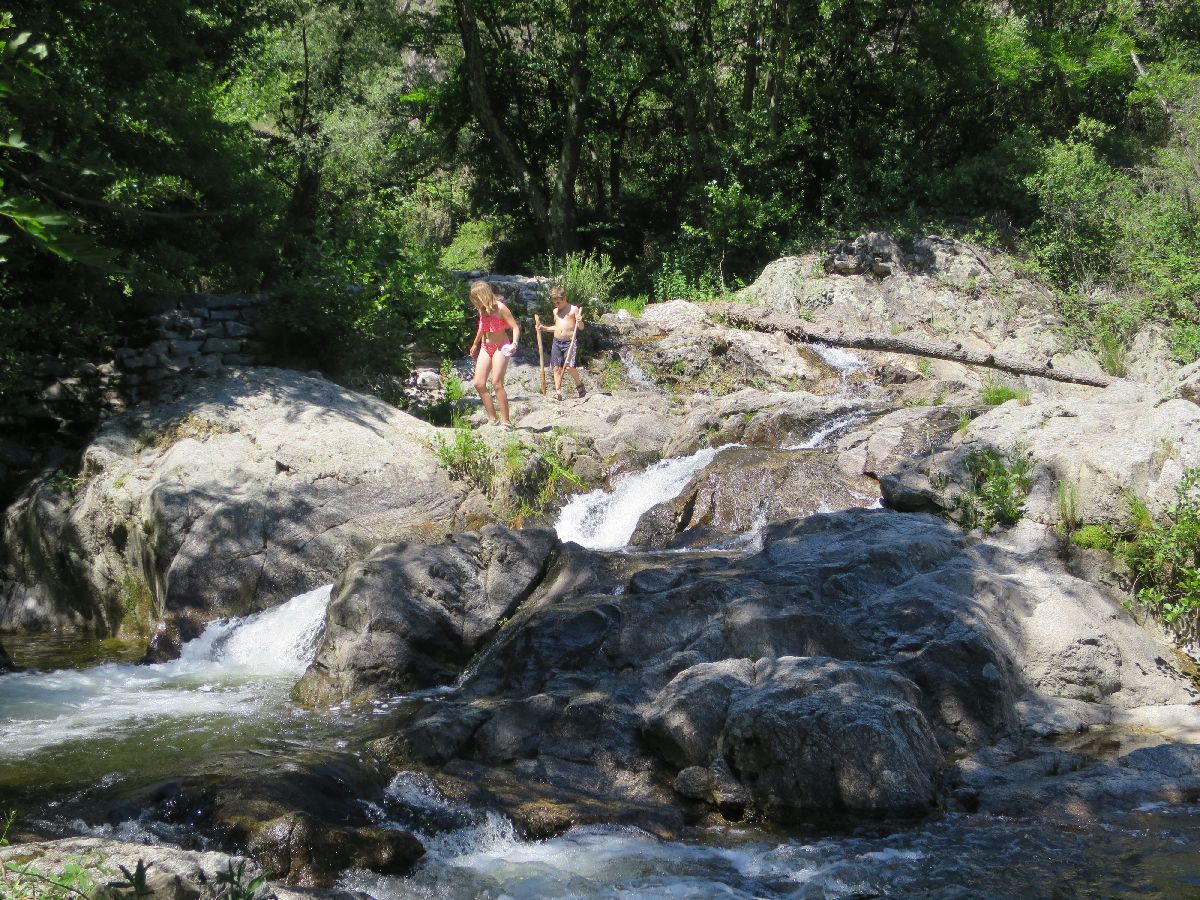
x=635, y=306
x=1185, y=342
x=1165, y=558
x=466, y=456
x=680, y=277
x=1066, y=496
x=1094, y=537
x=993, y=393
x=357, y=324
x=475, y=245
x=590, y=279
x=999, y=486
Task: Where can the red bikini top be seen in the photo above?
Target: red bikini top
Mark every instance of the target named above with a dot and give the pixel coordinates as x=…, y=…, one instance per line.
x=491, y=323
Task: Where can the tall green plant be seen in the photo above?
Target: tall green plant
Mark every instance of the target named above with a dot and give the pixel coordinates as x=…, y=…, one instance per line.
x=1165, y=558
x=591, y=280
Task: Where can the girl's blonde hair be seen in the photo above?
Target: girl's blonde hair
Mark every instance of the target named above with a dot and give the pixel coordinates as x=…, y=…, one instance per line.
x=483, y=297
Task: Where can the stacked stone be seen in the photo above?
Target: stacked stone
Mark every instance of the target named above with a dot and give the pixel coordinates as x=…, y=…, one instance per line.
x=203, y=334
x=515, y=290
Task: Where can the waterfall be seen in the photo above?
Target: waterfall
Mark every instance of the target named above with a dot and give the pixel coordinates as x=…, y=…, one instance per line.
x=606, y=520
x=841, y=423
x=842, y=360
x=234, y=668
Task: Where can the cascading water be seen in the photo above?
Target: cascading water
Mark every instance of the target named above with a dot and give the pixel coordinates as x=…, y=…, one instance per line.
x=842, y=360
x=841, y=423
x=237, y=667
x=480, y=854
x=606, y=520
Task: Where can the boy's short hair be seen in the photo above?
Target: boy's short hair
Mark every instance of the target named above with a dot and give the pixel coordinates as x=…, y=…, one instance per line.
x=558, y=291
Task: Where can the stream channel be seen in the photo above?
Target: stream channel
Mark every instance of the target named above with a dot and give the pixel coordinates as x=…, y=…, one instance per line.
x=87, y=727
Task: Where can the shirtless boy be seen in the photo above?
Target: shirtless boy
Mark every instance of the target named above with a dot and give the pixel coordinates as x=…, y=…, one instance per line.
x=567, y=320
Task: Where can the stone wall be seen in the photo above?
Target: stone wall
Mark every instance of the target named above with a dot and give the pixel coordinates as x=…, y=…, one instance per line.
x=165, y=336
x=200, y=333
x=515, y=290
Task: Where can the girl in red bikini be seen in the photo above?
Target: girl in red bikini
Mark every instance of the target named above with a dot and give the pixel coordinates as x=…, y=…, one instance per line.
x=494, y=322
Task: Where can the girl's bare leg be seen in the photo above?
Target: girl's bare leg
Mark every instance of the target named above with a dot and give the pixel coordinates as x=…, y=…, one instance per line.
x=483, y=362
x=499, y=367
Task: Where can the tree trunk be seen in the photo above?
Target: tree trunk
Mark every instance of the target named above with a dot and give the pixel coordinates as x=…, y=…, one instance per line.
x=564, y=238
x=753, y=57
x=531, y=189
x=746, y=316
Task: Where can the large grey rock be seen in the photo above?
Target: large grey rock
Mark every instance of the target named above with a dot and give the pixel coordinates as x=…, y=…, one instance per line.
x=744, y=488
x=230, y=496
x=1109, y=445
x=824, y=675
x=774, y=419
x=171, y=874
x=803, y=734
x=943, y=289
x=411, y=616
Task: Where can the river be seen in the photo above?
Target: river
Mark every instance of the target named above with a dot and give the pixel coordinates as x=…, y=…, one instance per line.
x=73, y=737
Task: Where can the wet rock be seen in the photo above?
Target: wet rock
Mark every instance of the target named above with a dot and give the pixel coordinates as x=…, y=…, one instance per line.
x=743, y=489
x=303, y=851
x=6, y=663
x=823, y=677
x=304, y=820
x=412, y=616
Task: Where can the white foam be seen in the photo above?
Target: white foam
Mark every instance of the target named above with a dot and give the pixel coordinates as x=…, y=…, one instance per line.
x=606, y=520
x=818, y=437
x=842, y=360
x=231, y=669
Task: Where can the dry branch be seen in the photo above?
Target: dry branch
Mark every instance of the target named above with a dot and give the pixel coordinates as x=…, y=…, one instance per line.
x=762, y=319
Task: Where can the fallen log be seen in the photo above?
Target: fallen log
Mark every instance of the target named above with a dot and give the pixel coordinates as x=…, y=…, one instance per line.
x=744, y=315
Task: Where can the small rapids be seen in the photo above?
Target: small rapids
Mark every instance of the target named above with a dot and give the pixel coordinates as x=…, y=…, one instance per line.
x=481, y=855
x=830, y=428
x=606, y=520
x=236, y=667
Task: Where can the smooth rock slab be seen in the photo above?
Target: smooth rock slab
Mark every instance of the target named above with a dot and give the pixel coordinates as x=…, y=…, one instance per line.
x=411, y=616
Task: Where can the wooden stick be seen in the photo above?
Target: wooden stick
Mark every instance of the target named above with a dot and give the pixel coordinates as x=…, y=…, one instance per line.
x=537, y=324
x=571, y=348
x=761, y=319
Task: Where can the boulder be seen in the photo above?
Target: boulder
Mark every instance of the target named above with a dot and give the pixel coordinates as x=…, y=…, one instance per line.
x=772, y=419
x=411, y=616
x=677, y=347
x=944, y=289
x=6, y=663
x=745, y=488
x=230, y=496
x=823, y=676
x=171, y=873
x=1146, y=447
x=304, y=820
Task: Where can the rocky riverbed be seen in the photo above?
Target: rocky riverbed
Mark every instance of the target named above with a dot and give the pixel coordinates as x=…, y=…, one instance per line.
x=751, y=605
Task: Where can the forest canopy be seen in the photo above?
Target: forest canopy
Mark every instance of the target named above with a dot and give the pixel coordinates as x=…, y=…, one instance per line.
x=344, y=155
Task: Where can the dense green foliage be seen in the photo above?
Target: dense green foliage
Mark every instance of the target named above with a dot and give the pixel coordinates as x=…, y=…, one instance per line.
x=344, y=153
x=997, y=490
x=1165, y=558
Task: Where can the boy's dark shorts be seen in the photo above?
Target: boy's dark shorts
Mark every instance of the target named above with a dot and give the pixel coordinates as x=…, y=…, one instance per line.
x=562, y=354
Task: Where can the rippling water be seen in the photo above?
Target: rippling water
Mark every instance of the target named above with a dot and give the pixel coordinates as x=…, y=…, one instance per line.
x=1145, y=853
